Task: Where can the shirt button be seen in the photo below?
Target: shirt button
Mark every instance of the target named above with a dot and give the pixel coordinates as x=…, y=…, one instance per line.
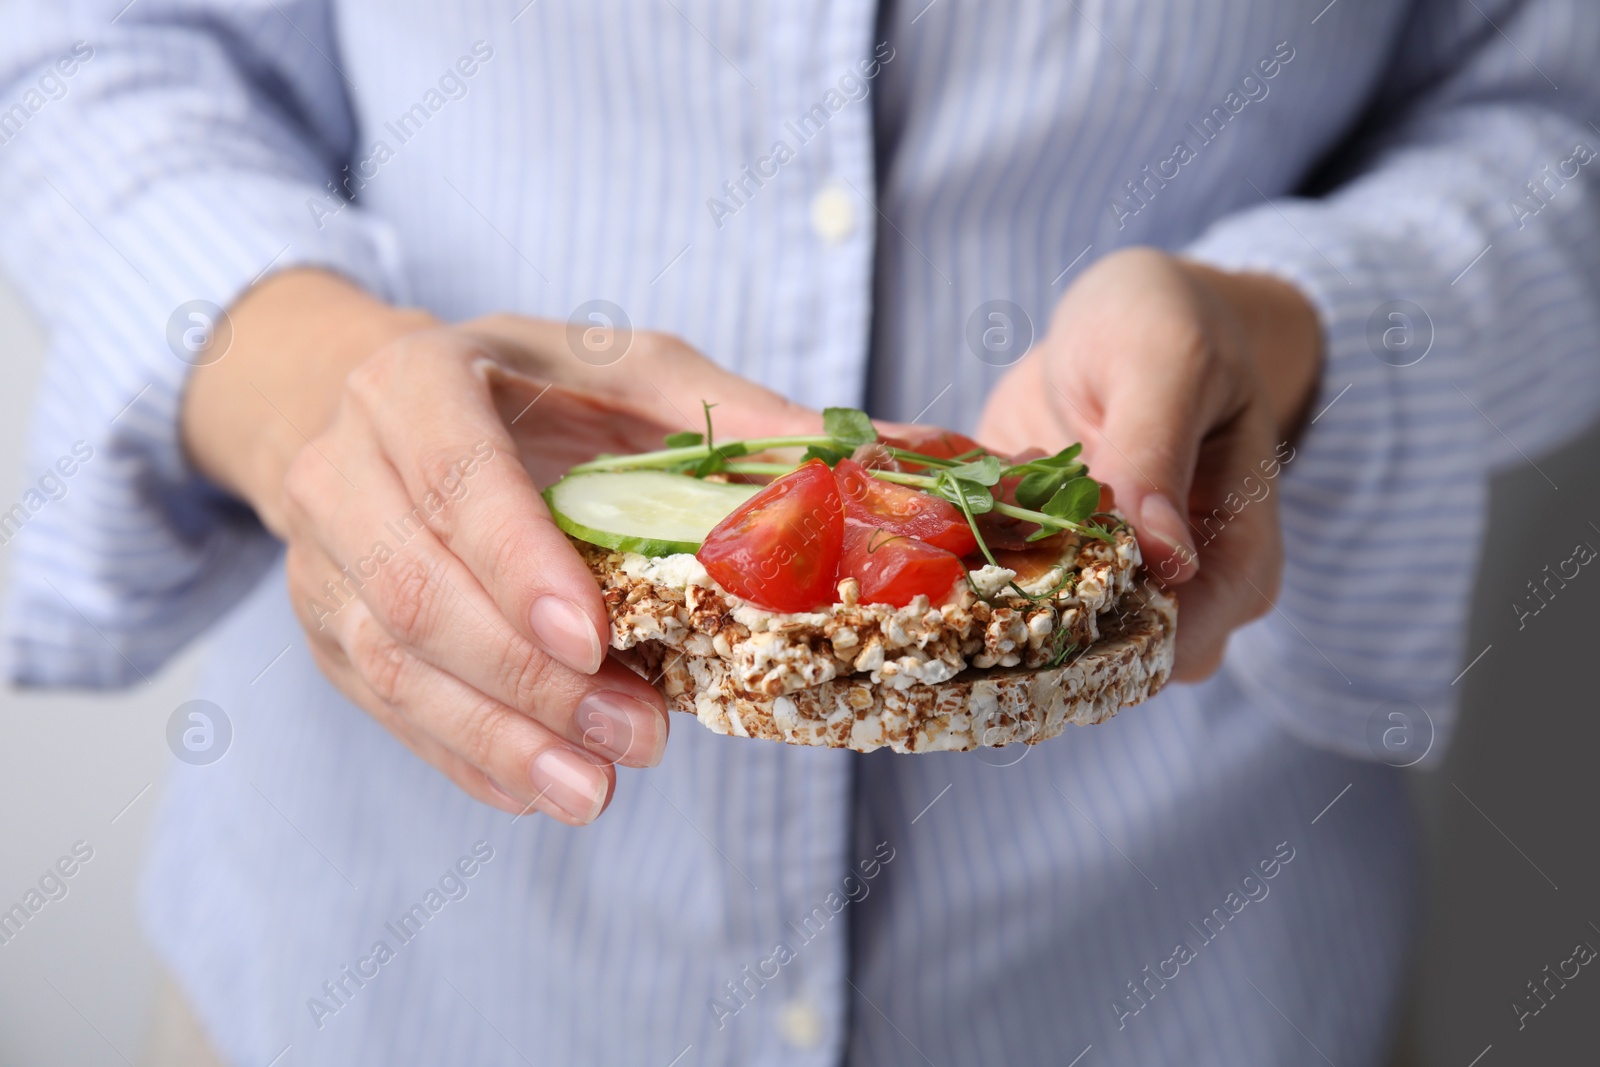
x=833, y=213
x=800, y=1024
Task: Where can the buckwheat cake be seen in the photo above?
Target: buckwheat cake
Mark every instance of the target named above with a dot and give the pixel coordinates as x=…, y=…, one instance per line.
x=920, y=593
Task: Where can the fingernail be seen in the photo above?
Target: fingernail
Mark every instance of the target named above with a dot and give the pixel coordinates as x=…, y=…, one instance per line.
x=565, y=631
x=1159, y=519
x=571, y=783
x=623, y=729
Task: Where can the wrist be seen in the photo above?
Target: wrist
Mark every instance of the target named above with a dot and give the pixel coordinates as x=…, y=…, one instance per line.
x=295, y=339
x=1281, y=334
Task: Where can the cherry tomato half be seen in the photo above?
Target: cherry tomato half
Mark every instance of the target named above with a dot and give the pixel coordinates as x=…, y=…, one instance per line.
x=899, y=509
x=893, y=569
x=780, y=549
x=931, y=441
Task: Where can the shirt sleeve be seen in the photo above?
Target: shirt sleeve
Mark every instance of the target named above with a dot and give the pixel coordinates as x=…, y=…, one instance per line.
x=1455, y=263
x=156, y=160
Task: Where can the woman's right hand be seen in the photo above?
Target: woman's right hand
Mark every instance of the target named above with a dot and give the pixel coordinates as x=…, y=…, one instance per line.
x=401, y=461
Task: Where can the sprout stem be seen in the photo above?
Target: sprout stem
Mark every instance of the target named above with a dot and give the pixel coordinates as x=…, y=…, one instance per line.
x=668, y=457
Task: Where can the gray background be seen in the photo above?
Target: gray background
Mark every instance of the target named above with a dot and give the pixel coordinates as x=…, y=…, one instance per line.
x=76, y=987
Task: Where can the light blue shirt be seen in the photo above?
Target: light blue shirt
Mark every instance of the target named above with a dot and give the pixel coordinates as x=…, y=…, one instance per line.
x=1171, y=887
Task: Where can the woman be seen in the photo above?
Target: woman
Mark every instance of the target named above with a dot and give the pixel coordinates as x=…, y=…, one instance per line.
x=1266, y=262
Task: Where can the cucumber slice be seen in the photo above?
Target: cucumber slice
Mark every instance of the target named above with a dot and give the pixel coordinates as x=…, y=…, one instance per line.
x=653, y=513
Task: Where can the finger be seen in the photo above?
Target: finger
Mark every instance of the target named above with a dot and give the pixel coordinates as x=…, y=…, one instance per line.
x=430, y=404
x=655, y=375
x=430, y=604
x=305, y=562
x=378, y=675
x=1235, y=522
x=306, y=566
x=521, y=756
x=338, y=670
x=494, y=753
x=1143, y=423
x=685, y=379
x=554, y=427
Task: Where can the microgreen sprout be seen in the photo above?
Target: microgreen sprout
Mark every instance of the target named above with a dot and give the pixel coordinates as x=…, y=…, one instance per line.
x=1059, y=649
x=1054, y=492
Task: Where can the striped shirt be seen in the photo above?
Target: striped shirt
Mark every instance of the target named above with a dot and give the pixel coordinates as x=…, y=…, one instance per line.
x=820, y=196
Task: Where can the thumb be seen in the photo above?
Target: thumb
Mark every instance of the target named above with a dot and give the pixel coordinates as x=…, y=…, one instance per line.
x=682, y=379
x=1145, y=445
x=653, y=374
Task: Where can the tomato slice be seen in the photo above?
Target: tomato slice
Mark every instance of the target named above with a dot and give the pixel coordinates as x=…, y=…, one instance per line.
x=780, y=549
x=893, y=568
x=931, y=441
x=900, y=509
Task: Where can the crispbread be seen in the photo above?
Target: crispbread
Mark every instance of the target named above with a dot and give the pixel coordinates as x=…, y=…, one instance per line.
x=770, y=654
x=994, y=706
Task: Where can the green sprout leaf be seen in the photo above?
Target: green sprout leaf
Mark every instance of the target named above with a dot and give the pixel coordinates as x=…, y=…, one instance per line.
x=1042, y=478
x=1075, y=501
x=830, y=456
x=848, y=427
x=717, y=459
x=1038, y=486
x=984, y=471
x=1067, y=457
x=684, y=439
x=972, y=499
x=970, y=496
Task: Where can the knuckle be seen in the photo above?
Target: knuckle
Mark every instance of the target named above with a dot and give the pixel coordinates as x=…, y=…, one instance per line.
x=410, y=597
x=303, y=482
x=1192, y=342
x=440, y=469
x=506, y=549
x=371, y=378
x=489, y=737
x=399, y=365
x=383, y=664
x=529, y=675
x=656, y=345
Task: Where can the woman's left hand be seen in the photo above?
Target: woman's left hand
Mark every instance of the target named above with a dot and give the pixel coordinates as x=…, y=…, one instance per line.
x=1186, y=386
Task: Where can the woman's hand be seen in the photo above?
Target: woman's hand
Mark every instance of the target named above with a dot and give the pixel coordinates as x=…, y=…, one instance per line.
x=401, y=460
x=1186, y=386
